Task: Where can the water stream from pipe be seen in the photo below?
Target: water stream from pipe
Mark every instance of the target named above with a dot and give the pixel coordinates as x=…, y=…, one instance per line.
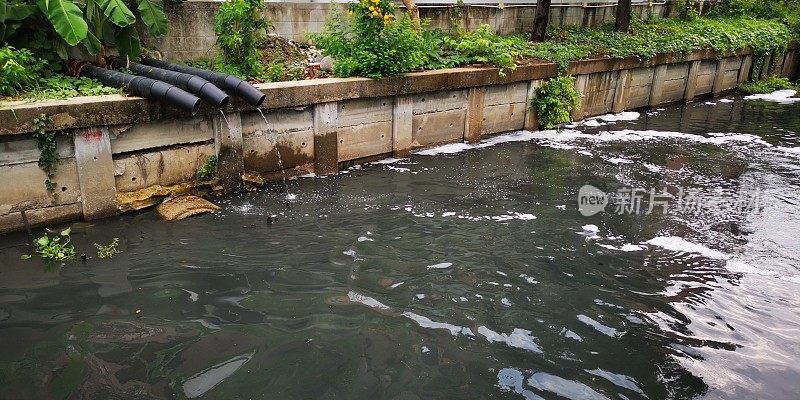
x=289, y=196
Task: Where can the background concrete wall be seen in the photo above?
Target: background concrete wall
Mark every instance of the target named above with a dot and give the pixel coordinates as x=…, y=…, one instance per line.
x=128, y=158
x=191, y=24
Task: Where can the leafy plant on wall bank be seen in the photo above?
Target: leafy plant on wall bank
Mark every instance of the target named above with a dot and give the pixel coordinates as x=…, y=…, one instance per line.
x=94, y=25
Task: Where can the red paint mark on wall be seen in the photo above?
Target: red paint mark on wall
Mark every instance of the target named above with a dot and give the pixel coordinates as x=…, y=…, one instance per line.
x=92, y=135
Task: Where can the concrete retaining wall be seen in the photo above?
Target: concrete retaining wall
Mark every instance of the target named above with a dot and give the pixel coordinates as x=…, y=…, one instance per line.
x=191, y=24
x=120, y=153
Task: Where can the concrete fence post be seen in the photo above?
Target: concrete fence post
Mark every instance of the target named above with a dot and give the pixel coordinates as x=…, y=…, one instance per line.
x=228, y=146
x=474, y=121
x=326, y=139
x=402, y=135
x=620, y=97
x=95, y=172
x=657, y=88
x=691, y=81
x=531, y=118
x=719, y=76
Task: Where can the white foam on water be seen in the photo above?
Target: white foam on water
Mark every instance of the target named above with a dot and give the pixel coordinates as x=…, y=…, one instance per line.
x=452, y=148
x=398, y=169
x=366, y=300
x=506, y=302
x=606, y=330
x=618, y=160
x=396, y=285
x=564, y=387
x=206, y=380
x=570, y=334
x=426, y=322
x=678, y=244
x=785, y=96
x=591, y=228
x=192, y=295
x=365, y=239
x=529, y=279
x=726, y=100
x=441, y=265
x=624, y=247
x=390, y=160
x=425, y=349
x=519, y=338
x=623, y=381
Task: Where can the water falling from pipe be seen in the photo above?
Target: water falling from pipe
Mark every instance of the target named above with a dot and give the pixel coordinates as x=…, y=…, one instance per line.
x=289, y=196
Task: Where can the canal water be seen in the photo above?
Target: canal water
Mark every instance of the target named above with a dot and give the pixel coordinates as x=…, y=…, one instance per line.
x=464, y=272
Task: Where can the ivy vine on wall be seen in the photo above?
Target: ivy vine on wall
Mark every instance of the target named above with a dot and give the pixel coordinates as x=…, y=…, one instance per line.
x=48, y=148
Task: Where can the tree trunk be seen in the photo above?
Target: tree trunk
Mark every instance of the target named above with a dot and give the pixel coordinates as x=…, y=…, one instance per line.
x=540, y=20
x=412, y=9
x=623, y=16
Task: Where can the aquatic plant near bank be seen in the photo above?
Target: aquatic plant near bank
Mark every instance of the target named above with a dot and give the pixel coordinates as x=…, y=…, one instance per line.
x=53, y=249
x=555, y=101
x=107, y=251
x=768, y=85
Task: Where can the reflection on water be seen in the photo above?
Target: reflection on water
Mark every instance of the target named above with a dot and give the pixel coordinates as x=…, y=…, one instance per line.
x=466, y=275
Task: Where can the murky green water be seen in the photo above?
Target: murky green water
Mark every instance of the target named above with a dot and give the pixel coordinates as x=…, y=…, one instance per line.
x=458, y=276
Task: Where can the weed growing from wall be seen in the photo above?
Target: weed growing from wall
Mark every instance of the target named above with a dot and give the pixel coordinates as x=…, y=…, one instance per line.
x=555, y=101
x=208, y=170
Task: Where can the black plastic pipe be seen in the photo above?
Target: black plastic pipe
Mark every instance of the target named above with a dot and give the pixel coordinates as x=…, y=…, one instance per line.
x=145, y=87
x=228, y=83
x=188, y=82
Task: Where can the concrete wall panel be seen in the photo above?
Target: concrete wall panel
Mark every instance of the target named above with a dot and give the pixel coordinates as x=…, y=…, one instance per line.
x=165, y=167
x=149, y=135
x=23, y=185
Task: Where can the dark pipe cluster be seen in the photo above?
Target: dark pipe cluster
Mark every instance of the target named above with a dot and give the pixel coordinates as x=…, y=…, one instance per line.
x=188, y=82
x=229, y=83
x=142, y=86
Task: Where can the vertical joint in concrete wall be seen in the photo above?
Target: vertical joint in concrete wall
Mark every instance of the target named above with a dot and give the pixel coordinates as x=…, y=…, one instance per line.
x=95, y=172
x=474, y=120
x=581, y=82
x=744, y=70
x=531, y=118
x=719, y=76
x=228, y=146
x=657, y=88
x=691, y=81
x=765, y=66
x=326, y=139
x=402, y=115
x=620, y=97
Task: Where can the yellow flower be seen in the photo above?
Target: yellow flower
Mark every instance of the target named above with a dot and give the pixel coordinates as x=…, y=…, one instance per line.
x=371, y=8
x=350, y=13
x=387, y=17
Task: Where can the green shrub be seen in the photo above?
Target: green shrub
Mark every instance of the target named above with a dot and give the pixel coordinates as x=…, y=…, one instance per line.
x=370, y=42
x=241, y=29
x=555, y=100
x=19, y=70
x=484, y=47
x=768, y=85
